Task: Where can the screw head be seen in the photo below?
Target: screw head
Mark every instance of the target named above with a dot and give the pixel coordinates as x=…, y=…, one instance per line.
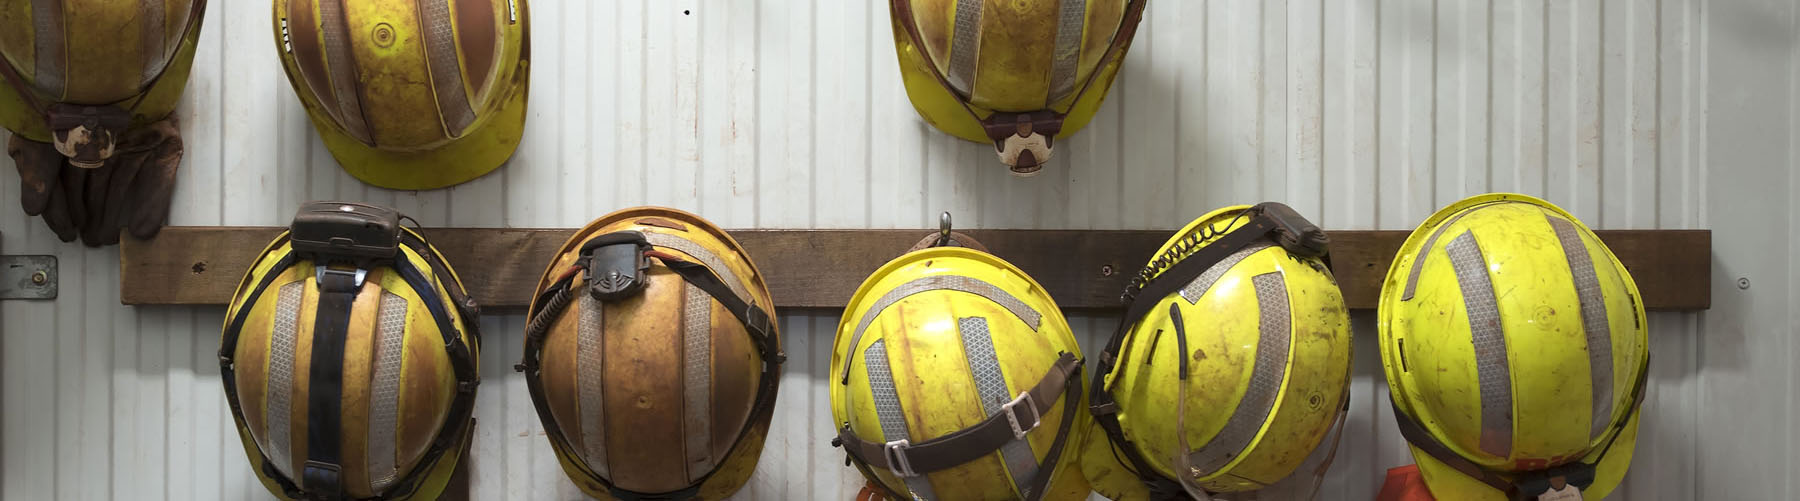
x=1106, y=270
x=40, y=278
x=1743, y=283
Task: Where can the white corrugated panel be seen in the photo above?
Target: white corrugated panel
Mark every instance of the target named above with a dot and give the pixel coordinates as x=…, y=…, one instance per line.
x=778, y=114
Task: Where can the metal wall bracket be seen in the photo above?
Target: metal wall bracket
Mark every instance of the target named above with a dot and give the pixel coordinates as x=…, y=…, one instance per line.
x=28, y=277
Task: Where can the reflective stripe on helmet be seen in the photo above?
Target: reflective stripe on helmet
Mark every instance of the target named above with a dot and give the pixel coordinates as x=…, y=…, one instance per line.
x=1204, y=282
x=1490, y=343
x=279, y=387
x=591, y=404
x=1412, y=278
x=151, y=24
x=1593, y=322
x=696, y=334
x=341, y=67
x=705, y=257
x=384, y=392
x=1253, y=409
x=965, y=42
x=990, y=383
x=888, y=410
x=446, y=72
x=1071, y=20
x=940, y=282
x=47, y=28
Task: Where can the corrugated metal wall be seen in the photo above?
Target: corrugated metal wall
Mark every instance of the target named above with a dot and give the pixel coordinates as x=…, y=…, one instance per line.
x=1361, y=114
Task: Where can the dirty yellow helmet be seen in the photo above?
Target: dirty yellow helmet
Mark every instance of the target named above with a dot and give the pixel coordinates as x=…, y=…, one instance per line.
x=410, y=95
x=78, y=74
x=1231, y=365
x=653, y=358
x=349, y=359
x=1516, y=351
x=954, y=376
x=1014, y=74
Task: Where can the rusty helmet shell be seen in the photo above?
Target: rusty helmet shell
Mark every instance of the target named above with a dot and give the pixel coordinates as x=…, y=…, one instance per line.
x=646, y=435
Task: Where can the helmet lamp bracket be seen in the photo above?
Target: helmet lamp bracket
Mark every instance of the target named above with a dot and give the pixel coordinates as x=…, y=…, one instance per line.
x=616, y=263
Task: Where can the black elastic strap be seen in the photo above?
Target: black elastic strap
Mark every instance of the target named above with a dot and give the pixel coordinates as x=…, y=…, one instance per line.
x=1061, y=382
x=754, y=318
x=1040, y=486
x=322, y=477
x=860, y=452
x=228, y=371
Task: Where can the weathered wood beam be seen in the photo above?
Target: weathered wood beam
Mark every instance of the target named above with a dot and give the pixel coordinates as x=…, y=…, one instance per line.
x=1082, y=269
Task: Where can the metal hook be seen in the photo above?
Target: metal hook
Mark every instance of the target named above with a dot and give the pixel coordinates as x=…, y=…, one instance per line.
x=943, y=229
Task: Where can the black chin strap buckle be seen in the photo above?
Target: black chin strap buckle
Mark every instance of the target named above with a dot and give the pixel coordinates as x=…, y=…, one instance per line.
x=323, y=481
x=616, y=265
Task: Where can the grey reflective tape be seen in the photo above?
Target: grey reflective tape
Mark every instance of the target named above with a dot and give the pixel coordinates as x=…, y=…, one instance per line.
x=1071, y=19
x=1412, y=278
x=943, y=282
x=705, y=257
x=1490, y=343
x=1274, y=334
x=279, y=392
x=384, y=393
x=152, y=21
x=591, y=405
x=446, y=72
x=47, y=33
x=341, y=65
x=965, y=42
x=888, y=409
x=1205, y=281
x=696, y=334
x=990, y=384
x=1593, y=322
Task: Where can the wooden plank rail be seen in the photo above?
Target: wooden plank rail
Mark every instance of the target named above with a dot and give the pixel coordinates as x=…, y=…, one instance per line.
x=1082, y=269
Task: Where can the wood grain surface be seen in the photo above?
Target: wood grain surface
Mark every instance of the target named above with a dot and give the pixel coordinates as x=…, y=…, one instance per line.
x=1083, y=269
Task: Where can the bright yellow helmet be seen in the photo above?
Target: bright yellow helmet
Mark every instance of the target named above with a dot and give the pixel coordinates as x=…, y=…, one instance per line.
x=78, y=74
x=1232, y=363
x=349, y=359
x=1516, y=351
x=1015, y=74
x=954, y=376
x=653, y=358
x=410, y=95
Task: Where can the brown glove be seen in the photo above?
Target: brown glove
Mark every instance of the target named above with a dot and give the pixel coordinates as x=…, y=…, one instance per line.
x=131, y=190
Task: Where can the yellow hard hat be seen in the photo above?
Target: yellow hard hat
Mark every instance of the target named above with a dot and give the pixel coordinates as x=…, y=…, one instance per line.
x=954, y=376
x=410, y=95
x=1516, y=351
x=349, y=359
x=653, y=358
x=1014, y=74
x=78, y=74
x=1232, y=363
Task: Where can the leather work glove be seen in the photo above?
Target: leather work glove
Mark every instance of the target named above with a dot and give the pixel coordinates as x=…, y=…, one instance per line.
x=131, y=190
